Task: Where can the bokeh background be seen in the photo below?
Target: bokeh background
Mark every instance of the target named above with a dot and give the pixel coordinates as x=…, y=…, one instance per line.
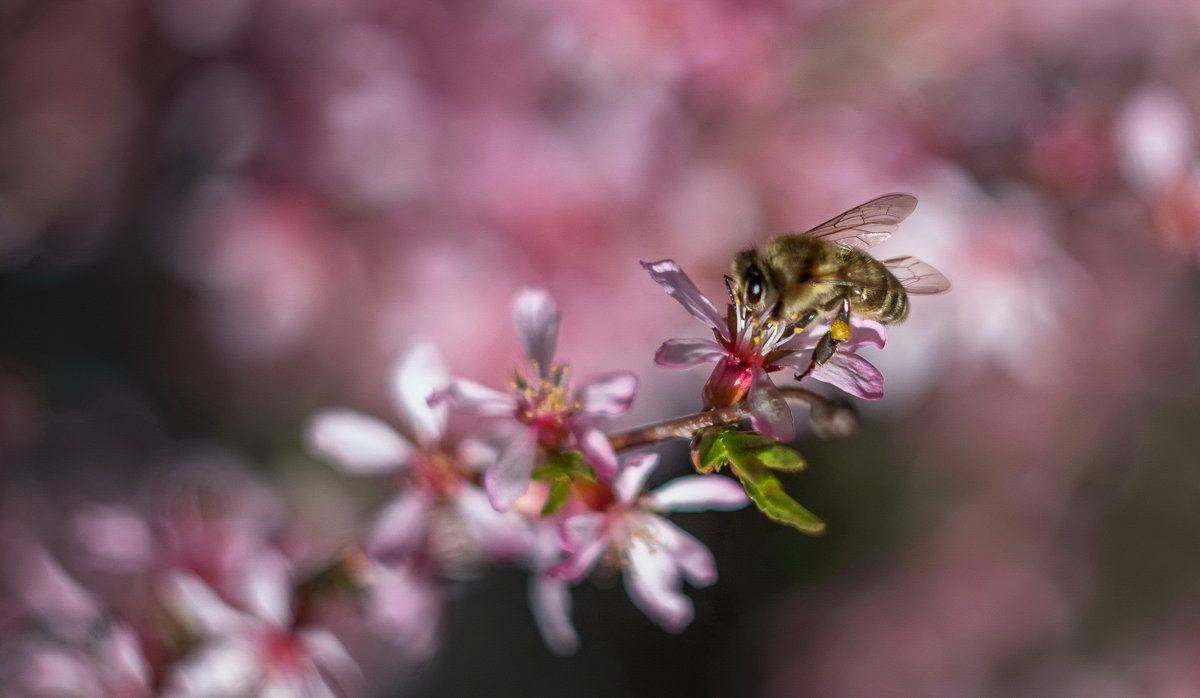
x=218, y=216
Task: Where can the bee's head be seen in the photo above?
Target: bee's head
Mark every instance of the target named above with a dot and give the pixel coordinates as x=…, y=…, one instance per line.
x=750, y=283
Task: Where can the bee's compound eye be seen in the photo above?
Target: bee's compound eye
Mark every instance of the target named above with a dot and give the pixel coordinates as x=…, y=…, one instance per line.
x=754, y=287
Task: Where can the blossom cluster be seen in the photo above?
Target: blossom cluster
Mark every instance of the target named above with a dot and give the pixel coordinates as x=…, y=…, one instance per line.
x=203, y=595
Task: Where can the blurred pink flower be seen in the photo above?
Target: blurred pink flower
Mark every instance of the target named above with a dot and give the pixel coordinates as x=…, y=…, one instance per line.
x=746, y=351
x=257, y=648
x=653, y=552
x=106, y=663
x=430, y=474
x=554, y=417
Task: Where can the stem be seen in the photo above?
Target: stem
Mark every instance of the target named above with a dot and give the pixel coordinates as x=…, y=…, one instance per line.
x=685, y=427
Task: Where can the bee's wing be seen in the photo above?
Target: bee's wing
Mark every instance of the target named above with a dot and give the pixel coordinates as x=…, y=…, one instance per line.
x=917, y=276
x=867, y=224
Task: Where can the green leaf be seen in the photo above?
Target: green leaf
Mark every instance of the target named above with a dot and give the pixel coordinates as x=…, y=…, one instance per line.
x=768, y=495
x=569, y=464
x=560, y=489
x=709, y=451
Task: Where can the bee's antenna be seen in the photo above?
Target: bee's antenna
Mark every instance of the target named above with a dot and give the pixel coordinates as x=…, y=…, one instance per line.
x=729, y=288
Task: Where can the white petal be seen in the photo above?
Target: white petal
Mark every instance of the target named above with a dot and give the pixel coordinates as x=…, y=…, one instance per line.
x=632, y=478
x=672, y=279
x=199, y=605
x=416, y=378
x=471, y=397
x=266, y=588
x=399, y=526
x=608, y=395
x=653, y=584
x=356, y=443
x=699, y=493
x=681, y=353
x=687, y=553
x=222, y=668
x=550, y=600
x=537, y=320
x=508, y=479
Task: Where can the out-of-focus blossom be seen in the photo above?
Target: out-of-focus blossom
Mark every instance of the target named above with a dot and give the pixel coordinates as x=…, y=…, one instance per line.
x=654, y=554
x=439, y=523
x=429, y=473
x=258, y=647
x=746, y=351
x=107, y=662
x=554, y=418
x=1155, y=141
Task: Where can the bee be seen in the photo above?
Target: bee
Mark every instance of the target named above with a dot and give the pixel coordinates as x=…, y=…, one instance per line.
x=797, y=277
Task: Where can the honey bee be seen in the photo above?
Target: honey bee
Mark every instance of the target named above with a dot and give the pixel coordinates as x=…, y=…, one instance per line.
x=796, y=278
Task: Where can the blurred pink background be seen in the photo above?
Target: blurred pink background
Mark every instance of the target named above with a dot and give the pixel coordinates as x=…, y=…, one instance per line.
x=216, y=217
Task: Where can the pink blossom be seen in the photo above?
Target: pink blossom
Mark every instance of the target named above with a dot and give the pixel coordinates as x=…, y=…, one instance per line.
x=746, y=351
x=655, y=555
x=257, y=647
x=431, y=475
x=554, y=418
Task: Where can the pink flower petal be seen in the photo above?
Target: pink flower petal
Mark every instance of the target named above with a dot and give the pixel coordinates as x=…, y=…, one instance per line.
x=399, y=526
x=596, y=450
x=416, y=377
x=46, y=589
x=469, y=396
x=266, y=588
x=682, y=353
x=699, y=493
x=200, y=606
x=227, y=667
x=676, y=283
x=769, y=412
x=537, y=320
x=115, y=538
x=864, y=332
x=550, y=600
x=632, y=478
x=406, y=607
x=689, y=554
x=508, y=478
x=608, y=395
x=327, y=651
x=853, y=374
x=501, y=535
x=581, y=530
x=653, y=584
x=355, y=443
x=580, y=564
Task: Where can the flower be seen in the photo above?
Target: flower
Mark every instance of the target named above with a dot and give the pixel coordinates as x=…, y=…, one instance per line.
x=653, y=553
x=438, y=524
x=430, y=474
x=554, y=418
x=746, y=350
x=260, y=648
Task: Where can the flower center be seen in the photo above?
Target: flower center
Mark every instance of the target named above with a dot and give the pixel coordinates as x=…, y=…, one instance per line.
x=546, y=403
x=438, y=473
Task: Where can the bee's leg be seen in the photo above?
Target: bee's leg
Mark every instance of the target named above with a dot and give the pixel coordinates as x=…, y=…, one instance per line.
x=827, y=346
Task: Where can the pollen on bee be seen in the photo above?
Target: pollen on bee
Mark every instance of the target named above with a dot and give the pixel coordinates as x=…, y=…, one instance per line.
x=839, y=329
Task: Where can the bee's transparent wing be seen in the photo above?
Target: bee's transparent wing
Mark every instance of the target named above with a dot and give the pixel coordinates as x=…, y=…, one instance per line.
x=917, y=276
x=867, y=224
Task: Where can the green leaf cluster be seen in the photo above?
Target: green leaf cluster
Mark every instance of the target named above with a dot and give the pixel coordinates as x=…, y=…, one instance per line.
x=560, y=470
x=752, y=458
